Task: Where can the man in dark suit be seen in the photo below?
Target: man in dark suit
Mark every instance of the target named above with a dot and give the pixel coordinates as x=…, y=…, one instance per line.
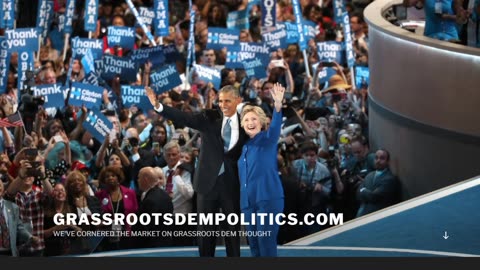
x=153, y=200
x=11, y=227
x=216, y=179
x=380, y=188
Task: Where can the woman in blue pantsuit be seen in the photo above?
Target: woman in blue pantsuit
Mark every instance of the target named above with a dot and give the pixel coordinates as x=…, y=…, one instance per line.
x=260, y=185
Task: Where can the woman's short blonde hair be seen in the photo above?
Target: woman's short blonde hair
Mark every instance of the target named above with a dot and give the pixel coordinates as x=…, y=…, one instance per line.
x=256, y=110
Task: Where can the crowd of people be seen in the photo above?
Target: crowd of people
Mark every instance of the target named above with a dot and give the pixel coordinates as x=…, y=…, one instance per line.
x=283, y=143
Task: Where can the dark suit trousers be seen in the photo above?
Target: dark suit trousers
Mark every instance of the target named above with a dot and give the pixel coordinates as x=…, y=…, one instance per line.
x=219, y=197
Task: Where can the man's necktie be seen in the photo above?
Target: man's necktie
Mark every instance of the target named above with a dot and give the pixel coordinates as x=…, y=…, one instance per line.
x=5, y=236
x=169, y=185
x=227, y=134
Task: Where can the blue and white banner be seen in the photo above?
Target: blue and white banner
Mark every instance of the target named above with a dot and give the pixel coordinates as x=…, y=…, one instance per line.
x=114, y=66
x=338, y=10
x=275, y=39
x=4, y=64
x=69, y=12
x=292, y=32
x=238, y=19
x=41, y=15
x=329, y=51
x=7, y=14
x=251, y=50
x=161, y=21
x=97, y=124
x=171, y=53
x=232, y=60
x=219, y=38
x=53, y=94
x=347, y=34
x=153, y=54
x=88, y=62
x=121, y=36
x=91, y=15
x=140, y=22
x=208, y=74
x=269, y=14
x=302, y=43
x=146, y=15
x=91, y=78
x=25, y=62
x=257, y=66
x=87, y=94
x=135, y=95
x=191, y=39
x=324, y=74
x=22, y=39
x=362, y=77
x=82, y=45
x=165, y=78
x=44, y=18
x=310, y=29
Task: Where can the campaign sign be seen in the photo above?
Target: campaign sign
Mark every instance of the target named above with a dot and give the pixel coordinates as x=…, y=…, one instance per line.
x=87, y=94
x=250, y=50
x=338, y=10
x=219, y=38
x=362, y=77
x=121, y=36
x=4, y=64
x=348, y=40
x=161, y=18
x=7, y=14
x=53, y=95
x=69, y=11
x=44, y=17
x=191, y=40
x=91, y=78
x=324, y=74
x=329, y=51
x=232, y=60
x=302, y=43
x=91, y=15
x=208, y=74
x=269, y=8
x=310, y=29
x=25, y=62
x=82, y=45
x=146, y=15
x=292, y=32
x=171, y=54
x=97, y=124
x=114, y=66
x=22, y=39
x=238, y=19
x=153, y=54
x=88, y=62
x=257, y=67
x=135, y=95
x=275, y=39
x=165, y=78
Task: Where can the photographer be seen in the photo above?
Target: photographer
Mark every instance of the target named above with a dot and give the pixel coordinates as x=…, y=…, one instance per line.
x=139, y=157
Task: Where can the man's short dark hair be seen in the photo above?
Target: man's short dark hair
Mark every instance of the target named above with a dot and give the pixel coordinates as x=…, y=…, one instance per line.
x=308, y=146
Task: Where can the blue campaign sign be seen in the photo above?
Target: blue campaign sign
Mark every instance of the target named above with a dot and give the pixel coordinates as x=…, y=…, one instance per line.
x=302, y=43
x=331, y=51
x=269, y=16
x=146, y=15
x=135, y=95
x=87, y=94
x=88, y=62
x=82, y=45
x=191, y=40
x=161, y=18
x=325, y=73
x=4, y=64
x=171, y=53
x=114, y=66
x=153, y=54
x=97, y=124
x=250, y=50
x=275, y=39
x=69, y=12
x=238, y=19
x=219, y=38
x=165, y=78
x=25, y=62
x=362, y=77
x=121, y=36
x=91, y=15
x=22, y=39
x=257, y=66
x=7, y=14
x=310, y=29
x=44, y=17
x=208, y=74
x=292, y=32
x=91, y=78
x=348, y=40
x=52, y=94
x=338, y=10
x=232, y=60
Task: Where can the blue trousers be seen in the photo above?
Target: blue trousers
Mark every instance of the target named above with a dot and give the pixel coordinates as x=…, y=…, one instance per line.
x=263, y=238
